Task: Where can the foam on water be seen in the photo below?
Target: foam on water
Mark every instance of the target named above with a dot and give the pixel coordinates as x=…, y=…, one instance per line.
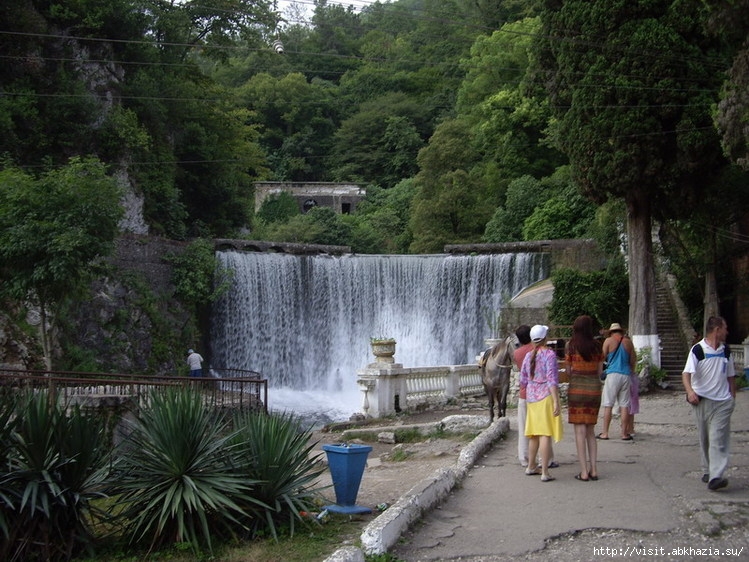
x=305, y=322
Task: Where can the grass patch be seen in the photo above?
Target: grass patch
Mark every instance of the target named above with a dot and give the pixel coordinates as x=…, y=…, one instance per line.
x=741, y=381
x=399, y=455
x=387, y=557
x=465, y=437
x=405, y=435
x=409, y=435
x=312, y=542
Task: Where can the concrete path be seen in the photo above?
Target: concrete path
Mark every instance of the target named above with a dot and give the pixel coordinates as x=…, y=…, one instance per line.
x=648, y=503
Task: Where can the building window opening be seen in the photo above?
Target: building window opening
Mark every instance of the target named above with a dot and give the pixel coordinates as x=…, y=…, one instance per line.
x=346, y=208
x=308, y=204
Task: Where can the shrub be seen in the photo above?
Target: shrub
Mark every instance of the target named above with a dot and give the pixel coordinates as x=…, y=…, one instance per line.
x=278, y=208
x=197, y=275
x=53, y=466
x=604, y=295
x=175, y=477
x=274, y=450
x=645, y=357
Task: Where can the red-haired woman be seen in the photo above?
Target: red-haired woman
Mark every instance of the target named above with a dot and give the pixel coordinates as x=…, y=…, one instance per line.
x=584, y=360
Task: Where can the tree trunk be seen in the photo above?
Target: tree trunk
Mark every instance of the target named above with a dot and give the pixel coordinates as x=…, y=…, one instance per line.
x=45, y=336
x=642, y=302
x=710, y=301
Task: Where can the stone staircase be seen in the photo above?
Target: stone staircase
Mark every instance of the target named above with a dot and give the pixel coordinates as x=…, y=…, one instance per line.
x=674, y=348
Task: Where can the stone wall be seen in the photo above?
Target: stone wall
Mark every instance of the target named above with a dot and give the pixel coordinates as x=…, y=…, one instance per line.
x=146, y=255
x=18, y=349
x=583, y=255
x=132, y=323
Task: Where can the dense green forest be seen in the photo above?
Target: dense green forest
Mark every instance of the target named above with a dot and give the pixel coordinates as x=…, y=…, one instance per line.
x=468, y=121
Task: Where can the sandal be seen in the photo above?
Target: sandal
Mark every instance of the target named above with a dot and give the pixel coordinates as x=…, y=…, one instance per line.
x=547, y=478
x=579, y=476
x=601, y=437
x=534, y=472
x=593, y=478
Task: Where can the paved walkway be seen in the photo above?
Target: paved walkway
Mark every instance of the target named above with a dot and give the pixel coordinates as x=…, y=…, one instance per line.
x=648, y=503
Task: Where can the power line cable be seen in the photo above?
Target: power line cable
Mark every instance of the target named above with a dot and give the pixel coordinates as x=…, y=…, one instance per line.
x=479, y=64
x=678, y=60
x=318, y=157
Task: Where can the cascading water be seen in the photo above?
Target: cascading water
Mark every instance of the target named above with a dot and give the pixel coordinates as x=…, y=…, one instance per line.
x=305, y=322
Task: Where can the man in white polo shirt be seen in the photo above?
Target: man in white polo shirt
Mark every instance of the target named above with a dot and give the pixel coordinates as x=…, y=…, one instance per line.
x=710, y=380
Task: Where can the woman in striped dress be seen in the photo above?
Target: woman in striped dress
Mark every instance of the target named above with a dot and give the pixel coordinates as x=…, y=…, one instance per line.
x=584, y=362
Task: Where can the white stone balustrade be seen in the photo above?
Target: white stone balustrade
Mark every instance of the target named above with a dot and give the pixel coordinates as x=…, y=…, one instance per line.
x=388, y=388
x=739, y=353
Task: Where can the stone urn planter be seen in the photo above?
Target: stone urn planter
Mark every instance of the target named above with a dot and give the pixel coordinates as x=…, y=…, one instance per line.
x=383, y=349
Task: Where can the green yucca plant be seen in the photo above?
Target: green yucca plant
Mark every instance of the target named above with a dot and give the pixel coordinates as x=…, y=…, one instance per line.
x=7, y=404
x=175, y=479
x=275, y=451
x=53, y=467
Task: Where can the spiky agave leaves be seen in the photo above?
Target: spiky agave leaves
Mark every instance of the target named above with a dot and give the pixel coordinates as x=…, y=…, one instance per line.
x=53, y=467
x=7, y=463
x=275, y=450
x=176, y=480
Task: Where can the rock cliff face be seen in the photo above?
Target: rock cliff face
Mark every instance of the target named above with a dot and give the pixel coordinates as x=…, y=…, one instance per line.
x=18, y=349
x=132, y=323
x=129, y=322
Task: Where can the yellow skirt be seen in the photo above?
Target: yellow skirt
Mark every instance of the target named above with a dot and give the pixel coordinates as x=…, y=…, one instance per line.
x=540, y=420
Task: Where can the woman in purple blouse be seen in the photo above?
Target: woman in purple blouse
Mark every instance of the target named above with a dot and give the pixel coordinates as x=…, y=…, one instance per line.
x=539, y=376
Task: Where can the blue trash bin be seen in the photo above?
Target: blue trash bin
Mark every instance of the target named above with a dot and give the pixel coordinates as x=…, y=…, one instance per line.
x=346, y=463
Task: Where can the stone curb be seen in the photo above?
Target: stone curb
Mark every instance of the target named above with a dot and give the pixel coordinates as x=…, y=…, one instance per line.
x=386, y=529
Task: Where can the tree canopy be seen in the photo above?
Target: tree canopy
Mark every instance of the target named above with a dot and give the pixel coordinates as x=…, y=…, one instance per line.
x=52, y=230
x=53, y=227
x=493, y=120
x=632, y=86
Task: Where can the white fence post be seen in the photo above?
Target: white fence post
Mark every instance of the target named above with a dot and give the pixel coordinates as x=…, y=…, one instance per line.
x=380, y=386
x=452, y=385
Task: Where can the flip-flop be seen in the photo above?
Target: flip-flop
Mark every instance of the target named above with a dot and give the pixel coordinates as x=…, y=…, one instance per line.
x=628, y=438
x=593, y=478
x=601, y=438
x=579, y=476
x=535, y=472
x=547, y=478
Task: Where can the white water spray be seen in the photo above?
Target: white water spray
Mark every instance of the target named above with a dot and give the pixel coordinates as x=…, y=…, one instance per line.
x=305, y=322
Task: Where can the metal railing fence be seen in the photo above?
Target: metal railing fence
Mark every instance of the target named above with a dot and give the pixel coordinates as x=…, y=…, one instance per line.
x=235, y=388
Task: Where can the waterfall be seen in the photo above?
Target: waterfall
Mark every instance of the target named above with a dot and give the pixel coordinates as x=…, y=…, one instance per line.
x=305, y=322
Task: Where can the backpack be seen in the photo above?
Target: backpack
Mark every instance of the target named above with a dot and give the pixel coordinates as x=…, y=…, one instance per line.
x=699, y=353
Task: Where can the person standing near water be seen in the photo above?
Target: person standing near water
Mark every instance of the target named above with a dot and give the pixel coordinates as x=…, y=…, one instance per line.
x=195, y=361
